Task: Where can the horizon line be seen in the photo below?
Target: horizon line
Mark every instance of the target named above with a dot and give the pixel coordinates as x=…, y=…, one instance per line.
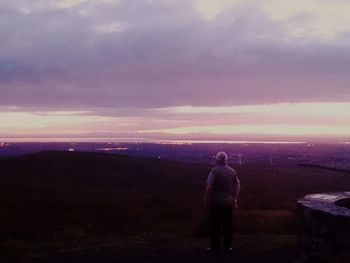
x=158, y=141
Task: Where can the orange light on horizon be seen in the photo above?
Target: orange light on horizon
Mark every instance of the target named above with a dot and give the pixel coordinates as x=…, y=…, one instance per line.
x=276, y=129
x=283, y=109
x=286, y=119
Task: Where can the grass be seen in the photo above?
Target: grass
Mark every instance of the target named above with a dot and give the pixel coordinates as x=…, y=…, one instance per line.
x=57, y=201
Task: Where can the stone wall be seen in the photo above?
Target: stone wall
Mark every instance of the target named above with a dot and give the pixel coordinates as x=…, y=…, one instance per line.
x=323, y=231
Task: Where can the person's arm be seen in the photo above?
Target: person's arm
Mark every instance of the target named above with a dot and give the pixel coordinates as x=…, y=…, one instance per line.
x=209, y=188
x=236, y=190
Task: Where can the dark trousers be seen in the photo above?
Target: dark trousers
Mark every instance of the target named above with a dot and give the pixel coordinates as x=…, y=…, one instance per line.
x=220, y=225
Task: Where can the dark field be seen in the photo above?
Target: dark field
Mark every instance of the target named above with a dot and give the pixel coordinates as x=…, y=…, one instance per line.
x=89, y=207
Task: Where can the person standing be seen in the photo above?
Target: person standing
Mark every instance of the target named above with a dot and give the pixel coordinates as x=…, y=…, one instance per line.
x=221, y=196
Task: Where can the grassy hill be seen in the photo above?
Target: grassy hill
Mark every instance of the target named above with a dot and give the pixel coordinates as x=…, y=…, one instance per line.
x=85, y=207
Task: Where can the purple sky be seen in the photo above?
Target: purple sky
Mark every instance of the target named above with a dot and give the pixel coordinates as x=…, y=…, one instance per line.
x=129, y=67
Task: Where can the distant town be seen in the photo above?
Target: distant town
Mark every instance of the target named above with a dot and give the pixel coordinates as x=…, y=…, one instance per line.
x=329, y=156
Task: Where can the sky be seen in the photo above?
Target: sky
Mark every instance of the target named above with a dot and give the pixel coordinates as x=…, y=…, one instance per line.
x=175, y=69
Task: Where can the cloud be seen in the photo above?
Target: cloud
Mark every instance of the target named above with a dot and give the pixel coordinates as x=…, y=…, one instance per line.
x=210, y=9
x=283, y=119
x=150, y=54
x=326, y=18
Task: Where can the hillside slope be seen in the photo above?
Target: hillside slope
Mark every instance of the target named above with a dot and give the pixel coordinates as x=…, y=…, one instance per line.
x=69, y=206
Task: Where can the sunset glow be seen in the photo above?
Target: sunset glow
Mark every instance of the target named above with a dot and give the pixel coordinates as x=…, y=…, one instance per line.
x=157, y=70
x=283, y=109
x=262, y=129
x=287, y=119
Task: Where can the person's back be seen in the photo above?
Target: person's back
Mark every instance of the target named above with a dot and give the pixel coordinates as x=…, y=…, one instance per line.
x=221, y=195
x=223, y=185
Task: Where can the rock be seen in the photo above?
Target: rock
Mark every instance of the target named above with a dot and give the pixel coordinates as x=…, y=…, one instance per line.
x=324, y=227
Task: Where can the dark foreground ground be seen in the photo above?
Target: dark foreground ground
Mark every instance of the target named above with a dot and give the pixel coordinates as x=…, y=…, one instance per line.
x=87, y=207
x=248, y=248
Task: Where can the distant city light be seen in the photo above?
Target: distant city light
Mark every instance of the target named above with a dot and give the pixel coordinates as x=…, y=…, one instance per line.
x=112, y=149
